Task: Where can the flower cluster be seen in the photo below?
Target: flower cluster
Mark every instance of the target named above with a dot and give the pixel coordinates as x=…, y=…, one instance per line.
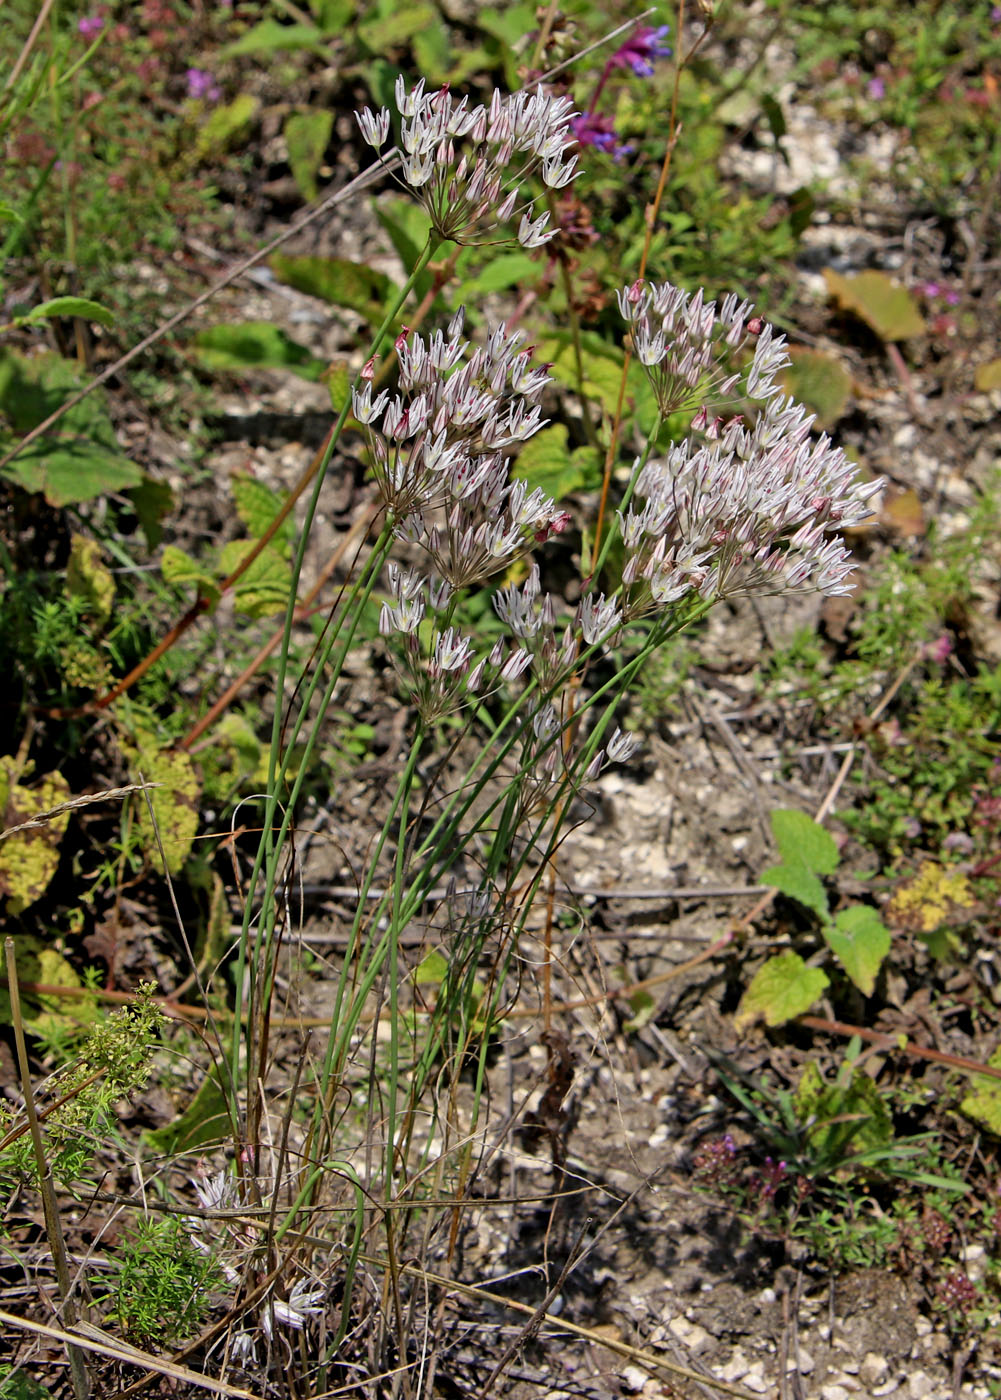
x=751, y=508
x=638, y=54
x=441, y=452
x=467, y=164
x=685, y=345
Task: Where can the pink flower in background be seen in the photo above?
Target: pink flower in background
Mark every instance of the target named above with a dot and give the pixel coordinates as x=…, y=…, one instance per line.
x=592, y=129
x=90, y=26
x=640, y=51
x=875, y=89
x=201, y=85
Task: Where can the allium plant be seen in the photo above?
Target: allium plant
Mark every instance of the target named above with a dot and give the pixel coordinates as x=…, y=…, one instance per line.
x=747, y=502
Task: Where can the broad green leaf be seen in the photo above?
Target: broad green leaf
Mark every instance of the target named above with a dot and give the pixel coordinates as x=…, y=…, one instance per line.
x=644, y=1008
x=883, y=304
x=151, y=501
x=257, y=505
x=333, y=15
x=804, y=841
x=983, y=1103
x=67, y=471
x=28, y=859
x=21, y=1386
x=226, y=126
x=846, y=1121
x=546, y=463
x=502, y=272
x=255, y=345
x=179, y=568
x=89, y=578
x=205, y=1121
x=434, y=53
x=307, y=135
x=271, y=37
x=780, y=990
x=33, y=388
x=68, y=306
x=799, y=883
x=599, y=372
x=818, y=381
x=263, y=589
x=337, y=280
x=388, y=31
x=432, y=969
x=860, y=942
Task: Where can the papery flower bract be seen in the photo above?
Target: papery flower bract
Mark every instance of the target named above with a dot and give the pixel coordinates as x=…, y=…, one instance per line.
x=467, y=164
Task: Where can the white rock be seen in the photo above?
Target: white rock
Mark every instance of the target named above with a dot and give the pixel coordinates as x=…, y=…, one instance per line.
x=922, y=1327
x=803, y=1363
x=888, y=1388
x=736, y=1368
x=834, y=1392
x=919, y=1384
x=755, y=1380
x=872, y=1369
x=634, y=1379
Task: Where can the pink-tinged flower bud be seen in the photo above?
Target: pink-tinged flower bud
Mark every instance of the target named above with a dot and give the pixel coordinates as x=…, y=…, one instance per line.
x=401, y=340
x=755, y=325
x=700, y=420
x=593, y=769
x=368, y=369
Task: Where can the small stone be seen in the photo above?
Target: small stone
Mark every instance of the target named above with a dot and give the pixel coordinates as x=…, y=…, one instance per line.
x=834, y=1392
x=803, y=1362
x=872, y=1369
x=767, y=1295
x=919, y=1384
x=888, y=1388
x=922, y=1327
x=736, y=1368
x=755, y=1380
x=634, y=1379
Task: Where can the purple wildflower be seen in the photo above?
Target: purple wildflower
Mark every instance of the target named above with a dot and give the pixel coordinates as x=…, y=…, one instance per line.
x=875, y=89
x=996, y=14
x=201, y=85
x=643, y=47
x=90, y=26
x=592, y=129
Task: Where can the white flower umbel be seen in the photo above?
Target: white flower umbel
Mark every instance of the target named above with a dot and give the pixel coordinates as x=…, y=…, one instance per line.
x=688, y=348
x=749, y=512
x=467, y=164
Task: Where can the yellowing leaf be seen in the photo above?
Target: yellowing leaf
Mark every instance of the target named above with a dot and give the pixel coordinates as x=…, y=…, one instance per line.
x=983, y=1104
x=988, y=376
x=859, y=941
x=883, y=304
x=28, y=859
x=783, y=988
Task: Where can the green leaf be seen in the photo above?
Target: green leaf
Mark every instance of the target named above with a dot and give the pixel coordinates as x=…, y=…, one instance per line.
x=338, y=381
x=545, y=463
x=846, y=1121
x=818, y=381
x=337, y=280
x=780, y=990
x=875, y=298
x=407, y=225
x=644, y=1008
x=804, y=841
x=271, y=37
x=68, y=306
x=600, y=366
x=988, y=376
x=796, y=882
x=983, y=1103
x=257, y=505
x=389, y=31
x=226, y=126
x=46, y=1014
x=307, y=135
x=205, y=1121
x=860, y=942
x=502, y=272
x=151, y=501
x=21, y=1386
x=333, y=15
x=69, y=471
x=179, y=568
x=255, y=345
x=432, y=969
x=263, y=589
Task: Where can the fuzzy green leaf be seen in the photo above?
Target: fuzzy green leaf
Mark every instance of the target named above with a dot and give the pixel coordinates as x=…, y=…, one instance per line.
x=89, y=578
x=860, y=942
x=546, y=463
x=780, y=990
x=799, y=883
x=269, y=36
x=803, y=841
x=263, y=589
x=226, y=126
x=257, y=505
x=179, y=568
x=819, y=381
x=151, y=501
